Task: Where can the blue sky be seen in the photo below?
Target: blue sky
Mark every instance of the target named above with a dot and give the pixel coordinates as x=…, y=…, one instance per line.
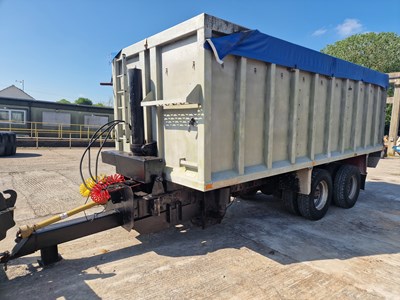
x=62, y=49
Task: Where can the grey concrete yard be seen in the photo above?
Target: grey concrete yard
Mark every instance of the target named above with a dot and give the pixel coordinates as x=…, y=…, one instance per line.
x=258, y=252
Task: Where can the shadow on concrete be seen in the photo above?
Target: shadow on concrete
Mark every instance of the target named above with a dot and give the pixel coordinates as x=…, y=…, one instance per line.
x=22, y=155
x=261, y=224
x=50, y=287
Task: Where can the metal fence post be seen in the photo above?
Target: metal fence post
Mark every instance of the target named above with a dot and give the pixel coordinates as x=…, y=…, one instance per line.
x=37, y=136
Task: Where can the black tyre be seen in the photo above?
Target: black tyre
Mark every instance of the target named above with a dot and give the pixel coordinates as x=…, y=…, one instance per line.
x=346, y=186
x=8, y=144
x=289, y=199
x=315, y=205
x=14, y=147
x=277, y=194
x=14, y=150
x=2, y=144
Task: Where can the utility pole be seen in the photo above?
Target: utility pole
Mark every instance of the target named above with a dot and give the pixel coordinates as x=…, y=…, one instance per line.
x=22, y=82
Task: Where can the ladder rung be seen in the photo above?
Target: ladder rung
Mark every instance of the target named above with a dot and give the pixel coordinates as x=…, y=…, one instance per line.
x=121, y=75
x=120, y=92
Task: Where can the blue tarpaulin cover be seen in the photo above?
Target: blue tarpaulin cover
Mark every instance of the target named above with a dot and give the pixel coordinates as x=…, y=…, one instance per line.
x=256, y=45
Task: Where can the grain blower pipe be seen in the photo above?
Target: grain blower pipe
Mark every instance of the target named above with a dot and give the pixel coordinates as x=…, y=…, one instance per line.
x=137, y=124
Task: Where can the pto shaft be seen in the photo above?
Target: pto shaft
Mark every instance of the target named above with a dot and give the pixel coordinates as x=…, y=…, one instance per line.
x=26, y=230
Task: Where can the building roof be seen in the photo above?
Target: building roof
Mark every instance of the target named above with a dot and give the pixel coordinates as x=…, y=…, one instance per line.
x=15, y=93
x=22, y=103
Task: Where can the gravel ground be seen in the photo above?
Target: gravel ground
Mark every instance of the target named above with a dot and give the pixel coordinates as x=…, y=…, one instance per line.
x=258, y=252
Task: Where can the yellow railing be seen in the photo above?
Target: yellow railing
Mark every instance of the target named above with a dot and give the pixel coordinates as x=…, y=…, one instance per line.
x=41, y=131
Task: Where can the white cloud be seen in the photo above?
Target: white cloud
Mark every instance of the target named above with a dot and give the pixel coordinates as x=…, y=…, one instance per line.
x=319, y=32
x=349, y=27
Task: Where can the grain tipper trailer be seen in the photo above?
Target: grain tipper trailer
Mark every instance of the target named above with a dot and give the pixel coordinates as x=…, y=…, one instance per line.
x=207, y=110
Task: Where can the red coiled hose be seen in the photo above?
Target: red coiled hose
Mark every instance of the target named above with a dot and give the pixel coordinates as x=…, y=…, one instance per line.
x=99, y=193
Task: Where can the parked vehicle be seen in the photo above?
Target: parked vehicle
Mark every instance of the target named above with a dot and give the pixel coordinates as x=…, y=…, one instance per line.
x=207, y=110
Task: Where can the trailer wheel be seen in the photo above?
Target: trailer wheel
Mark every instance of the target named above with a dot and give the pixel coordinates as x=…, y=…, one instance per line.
x=315, y=205
x=290, y=203
x=346, y=187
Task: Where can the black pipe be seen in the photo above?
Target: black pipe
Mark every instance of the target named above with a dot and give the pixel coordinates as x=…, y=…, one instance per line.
x=137, y=124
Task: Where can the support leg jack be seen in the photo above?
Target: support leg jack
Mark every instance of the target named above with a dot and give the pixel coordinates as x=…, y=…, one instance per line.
x=49, y=255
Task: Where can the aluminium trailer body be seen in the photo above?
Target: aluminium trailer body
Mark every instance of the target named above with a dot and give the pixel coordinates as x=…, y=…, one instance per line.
x=269, y=108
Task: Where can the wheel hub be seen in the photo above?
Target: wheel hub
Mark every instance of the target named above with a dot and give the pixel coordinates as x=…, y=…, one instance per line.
x=321, y=195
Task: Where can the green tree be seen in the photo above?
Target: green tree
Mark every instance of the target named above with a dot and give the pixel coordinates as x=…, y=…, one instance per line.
x=83, y=101
x=99, y=104
x=378, y=51
x=63, y=101
x=388, y=113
